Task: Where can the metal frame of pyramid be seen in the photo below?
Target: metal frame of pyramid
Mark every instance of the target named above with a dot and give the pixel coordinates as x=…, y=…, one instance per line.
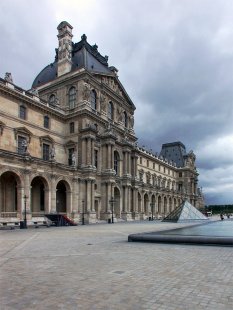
x=185, y=212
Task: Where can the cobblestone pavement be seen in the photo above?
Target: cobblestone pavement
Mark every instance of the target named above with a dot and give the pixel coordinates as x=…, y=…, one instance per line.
x=94, y=267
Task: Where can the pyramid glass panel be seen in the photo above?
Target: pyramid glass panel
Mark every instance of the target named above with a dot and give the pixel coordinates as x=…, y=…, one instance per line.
x=185, y=212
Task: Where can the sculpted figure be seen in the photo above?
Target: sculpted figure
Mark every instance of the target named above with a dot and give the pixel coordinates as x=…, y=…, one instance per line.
x=73, y=160
x=24, y=146
x=52, y=153
x=131, y=121
x=8, y=77
x=103, y=102
x=86, y=91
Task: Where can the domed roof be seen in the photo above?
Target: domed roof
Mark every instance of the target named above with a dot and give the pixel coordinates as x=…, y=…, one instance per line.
x=83, y=56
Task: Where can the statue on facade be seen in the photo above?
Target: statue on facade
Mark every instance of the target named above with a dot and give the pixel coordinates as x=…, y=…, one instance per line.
x=73, y=159
x=86, y=91
x=8, y=77
x=119, y=113
x=24, y=146
x=103, y=102
x=52, y=153
x=131, y=121
x=34, y=91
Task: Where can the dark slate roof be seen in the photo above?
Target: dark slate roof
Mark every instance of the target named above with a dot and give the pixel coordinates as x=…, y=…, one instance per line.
x=175, y=152
x=83, y=56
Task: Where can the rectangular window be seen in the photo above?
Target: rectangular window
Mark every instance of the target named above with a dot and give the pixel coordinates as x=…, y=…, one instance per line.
x=22, y=112
x=153, y=165
x=96, y=159
x=140, y=160
x=148, y=163
x=72, y=127
x=71, y=151
x=22, y=142
x=46, y=121
x=46, y=148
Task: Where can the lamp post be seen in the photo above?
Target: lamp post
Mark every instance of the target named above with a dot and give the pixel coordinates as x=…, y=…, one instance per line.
x=112, y=201
x=83, y=220
x=25, y=211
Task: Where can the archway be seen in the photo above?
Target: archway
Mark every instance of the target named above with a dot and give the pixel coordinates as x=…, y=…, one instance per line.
x=117, y=206
x=39, y=196
x=9, y=193
x=61, y=196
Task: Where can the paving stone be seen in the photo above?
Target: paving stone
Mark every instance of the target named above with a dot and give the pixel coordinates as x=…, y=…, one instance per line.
x=94, y=267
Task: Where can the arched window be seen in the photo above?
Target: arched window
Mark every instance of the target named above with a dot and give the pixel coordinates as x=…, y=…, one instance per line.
x=52, y=100
x=125, y=120
x=110, y=110
x=117, y=163
x=72, y=97
x=93, y=99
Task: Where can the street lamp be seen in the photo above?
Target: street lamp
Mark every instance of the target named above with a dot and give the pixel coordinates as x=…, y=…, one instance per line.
x=112, y=201
x=83, y=220
x=25, y=211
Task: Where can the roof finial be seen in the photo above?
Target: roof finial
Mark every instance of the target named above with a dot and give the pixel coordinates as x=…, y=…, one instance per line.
x=84, y=37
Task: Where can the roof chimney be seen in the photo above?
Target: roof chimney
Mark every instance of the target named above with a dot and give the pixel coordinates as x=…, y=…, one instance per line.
x=64, y=48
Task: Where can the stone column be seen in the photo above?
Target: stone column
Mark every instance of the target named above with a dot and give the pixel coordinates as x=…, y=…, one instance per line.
x=88, y=195
x=109, y=156
x=53, y=194
x=89, y=152
x=75, y=197
x=83, y=152
x=92, y=196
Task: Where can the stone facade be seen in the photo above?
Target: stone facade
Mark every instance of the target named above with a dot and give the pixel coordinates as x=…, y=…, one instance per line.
x=68, y=146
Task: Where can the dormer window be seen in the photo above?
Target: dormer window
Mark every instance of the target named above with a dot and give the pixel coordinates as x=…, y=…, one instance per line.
x=72, y=97
x=93, y=99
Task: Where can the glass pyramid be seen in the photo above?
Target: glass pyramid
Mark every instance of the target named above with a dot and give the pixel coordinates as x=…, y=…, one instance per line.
x=185, y=212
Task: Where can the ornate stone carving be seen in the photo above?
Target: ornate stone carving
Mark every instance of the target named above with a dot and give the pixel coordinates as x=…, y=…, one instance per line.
x=86, y=91
x=103, y=102
x=131, y=121
x=52, y=153
x=8, y=77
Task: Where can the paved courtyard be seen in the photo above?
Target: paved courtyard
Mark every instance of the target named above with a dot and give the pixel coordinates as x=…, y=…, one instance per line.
x=94, y=267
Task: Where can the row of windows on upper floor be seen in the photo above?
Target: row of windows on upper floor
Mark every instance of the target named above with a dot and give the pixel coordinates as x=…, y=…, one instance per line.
x=46, y=120
x=158, y=181
x=161, y=168
x=72, y=97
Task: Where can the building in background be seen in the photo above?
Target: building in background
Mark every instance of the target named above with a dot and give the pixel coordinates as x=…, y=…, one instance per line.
x=68, y=146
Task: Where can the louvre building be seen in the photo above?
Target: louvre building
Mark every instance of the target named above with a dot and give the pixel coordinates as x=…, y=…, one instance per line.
x=68, y=146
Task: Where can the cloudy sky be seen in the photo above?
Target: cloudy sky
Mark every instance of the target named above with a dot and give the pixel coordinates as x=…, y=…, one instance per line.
x=175, y=59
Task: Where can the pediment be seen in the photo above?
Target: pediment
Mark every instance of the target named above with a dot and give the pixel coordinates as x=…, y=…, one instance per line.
x=23, y=131
x=47, y=139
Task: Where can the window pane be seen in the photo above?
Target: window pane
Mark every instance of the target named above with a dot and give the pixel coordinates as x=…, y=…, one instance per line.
x=45, y=151
x=93, y=99
x=72, y=97
x=46, y=122
x=22, y=145
x=72, y=127
x=22, y=112
x=71, y=151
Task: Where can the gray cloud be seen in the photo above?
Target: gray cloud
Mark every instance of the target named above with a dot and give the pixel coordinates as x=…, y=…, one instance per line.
x=175, y=59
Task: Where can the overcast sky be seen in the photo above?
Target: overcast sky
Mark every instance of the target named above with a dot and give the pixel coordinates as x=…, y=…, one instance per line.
x=175, y=59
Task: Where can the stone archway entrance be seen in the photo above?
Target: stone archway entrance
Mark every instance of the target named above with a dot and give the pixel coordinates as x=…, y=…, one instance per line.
x=10, y=197
x=39, y=196
x=117, y=206
x=61, y=197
